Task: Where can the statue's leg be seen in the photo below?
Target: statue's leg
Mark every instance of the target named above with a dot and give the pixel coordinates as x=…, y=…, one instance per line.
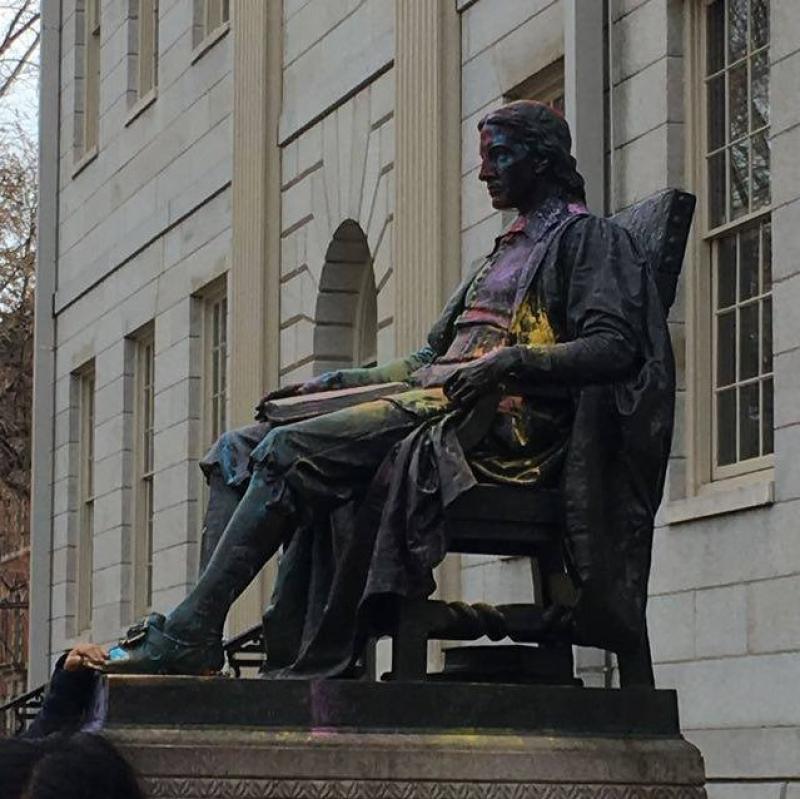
x=227, y=469
x=223, y=499
x=258, y=526
x=189, y=639
x=317, y=464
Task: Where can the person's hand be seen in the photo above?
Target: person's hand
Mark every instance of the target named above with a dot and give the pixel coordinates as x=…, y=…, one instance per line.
x=324, y=382
x=85, y=656
x=482, y=376
x=292, y=390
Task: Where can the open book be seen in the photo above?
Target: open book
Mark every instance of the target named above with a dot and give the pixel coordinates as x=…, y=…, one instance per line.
x=306, y=406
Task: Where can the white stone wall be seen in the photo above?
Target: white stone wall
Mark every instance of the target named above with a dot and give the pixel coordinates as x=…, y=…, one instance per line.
x=141, y=228
x=337, y=160
x=331, y=48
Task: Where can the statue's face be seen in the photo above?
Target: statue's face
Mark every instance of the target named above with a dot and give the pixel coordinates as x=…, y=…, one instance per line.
x=508, y=169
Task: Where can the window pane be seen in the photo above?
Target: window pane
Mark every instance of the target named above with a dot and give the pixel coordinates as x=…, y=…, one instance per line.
x=761, y=179
x=749, y=422
x=748, y=341
x=716, y=37
x=716, y=112
x=748, y=263
x=766, y=257
x=759, y=23
x=759, y=92
x=726, y=427
x=737, y=29
x=726, y=348
x=740, y=189
x=148, y=542
x=766, y=336
x=737, y=97
x=215, y=371
x=726, y=272
x=767, y=435
x=716, y=189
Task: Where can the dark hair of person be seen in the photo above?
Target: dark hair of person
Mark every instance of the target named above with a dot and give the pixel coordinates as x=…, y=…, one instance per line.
x=17, y=761
x=80, y=766
x=546, y=133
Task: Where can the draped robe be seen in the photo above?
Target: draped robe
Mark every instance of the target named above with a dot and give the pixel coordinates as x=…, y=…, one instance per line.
x=584, y=276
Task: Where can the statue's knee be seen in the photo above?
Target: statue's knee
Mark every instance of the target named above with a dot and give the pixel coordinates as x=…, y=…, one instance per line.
x=227, y=440
x=278, y=448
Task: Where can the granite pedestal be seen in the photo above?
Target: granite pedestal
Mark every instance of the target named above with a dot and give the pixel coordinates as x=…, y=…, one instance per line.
x=198, y=738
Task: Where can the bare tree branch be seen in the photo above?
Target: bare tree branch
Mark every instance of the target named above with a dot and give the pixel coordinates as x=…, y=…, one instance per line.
x=23, y=62
x=13, y=32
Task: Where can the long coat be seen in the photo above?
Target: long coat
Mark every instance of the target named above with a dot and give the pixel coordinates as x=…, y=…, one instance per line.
x=603, y=305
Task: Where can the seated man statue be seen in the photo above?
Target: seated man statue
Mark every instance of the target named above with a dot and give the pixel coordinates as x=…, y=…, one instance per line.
x=563, y=324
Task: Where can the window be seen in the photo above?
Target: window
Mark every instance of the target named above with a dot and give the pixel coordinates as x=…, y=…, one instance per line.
x=217, y=13
x=212, y=307
x=85, y=388
x=546, y=86
x=144, y=417
x=737, y=233
x=215, y=348
x=87, y=88
x=210, y=16
x=147, y=52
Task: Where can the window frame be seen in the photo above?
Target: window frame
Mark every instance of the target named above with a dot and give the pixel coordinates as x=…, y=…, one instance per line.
x=144, y=468
x=216, y=13
x=147, y=48
x=703, y=474
x=214, y=297
x=84, y=594
x=148, y=68
x=204, y=303
x=143, y=57
x=212, y=20
x=546, y=85
x=92, y=21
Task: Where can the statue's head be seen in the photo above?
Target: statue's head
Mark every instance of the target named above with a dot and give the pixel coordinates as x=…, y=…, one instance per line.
x=526, y=156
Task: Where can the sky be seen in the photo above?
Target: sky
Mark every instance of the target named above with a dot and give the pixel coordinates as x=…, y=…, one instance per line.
x=21, y=104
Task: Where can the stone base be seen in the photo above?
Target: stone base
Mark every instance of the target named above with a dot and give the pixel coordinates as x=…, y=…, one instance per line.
x=404, y=759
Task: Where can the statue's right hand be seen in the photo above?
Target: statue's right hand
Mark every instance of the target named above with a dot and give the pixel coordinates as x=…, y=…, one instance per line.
x=292, y=390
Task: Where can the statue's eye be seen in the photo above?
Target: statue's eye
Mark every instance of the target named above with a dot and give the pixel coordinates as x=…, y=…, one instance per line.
x=501, y=155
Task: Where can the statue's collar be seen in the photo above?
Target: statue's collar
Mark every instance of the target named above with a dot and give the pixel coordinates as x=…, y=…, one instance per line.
x=535, y=223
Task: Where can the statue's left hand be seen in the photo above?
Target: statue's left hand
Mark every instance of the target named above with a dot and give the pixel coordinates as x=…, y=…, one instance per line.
x=482, y=376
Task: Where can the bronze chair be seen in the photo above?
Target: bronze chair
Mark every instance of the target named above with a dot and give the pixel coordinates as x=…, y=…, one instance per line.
x=506, y=520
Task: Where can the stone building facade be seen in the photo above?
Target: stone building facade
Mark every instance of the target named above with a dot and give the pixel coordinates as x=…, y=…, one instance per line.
x=237, y=193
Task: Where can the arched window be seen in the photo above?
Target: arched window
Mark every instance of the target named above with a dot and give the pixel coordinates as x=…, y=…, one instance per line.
x=346, y=330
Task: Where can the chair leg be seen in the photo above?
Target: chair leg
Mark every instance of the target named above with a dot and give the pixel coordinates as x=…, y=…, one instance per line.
x=538, y=583
x=409, y=647
x=636, y=666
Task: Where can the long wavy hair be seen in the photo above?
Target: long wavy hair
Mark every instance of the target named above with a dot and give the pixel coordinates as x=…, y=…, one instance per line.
x=546, y=134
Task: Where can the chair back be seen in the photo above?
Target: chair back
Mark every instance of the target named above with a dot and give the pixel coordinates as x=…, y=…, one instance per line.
x=660, y=226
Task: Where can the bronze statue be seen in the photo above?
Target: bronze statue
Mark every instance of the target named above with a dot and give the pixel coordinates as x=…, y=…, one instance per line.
x=563, y=321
